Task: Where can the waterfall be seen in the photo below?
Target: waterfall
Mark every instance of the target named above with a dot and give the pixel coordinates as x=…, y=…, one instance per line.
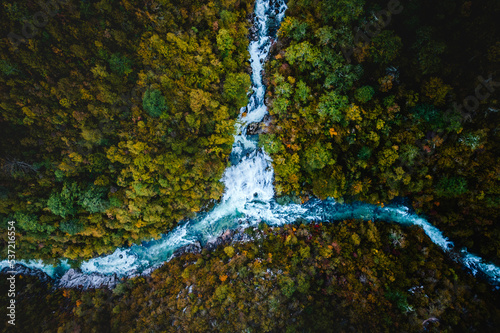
x=249, y=193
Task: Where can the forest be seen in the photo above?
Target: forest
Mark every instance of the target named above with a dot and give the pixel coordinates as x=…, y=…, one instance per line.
x=117, y=119
x=116, y=124
x=386, y=99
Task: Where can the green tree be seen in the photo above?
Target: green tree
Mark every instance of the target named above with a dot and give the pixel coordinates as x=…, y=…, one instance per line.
x=451, y=187
x=72, y=226
x=385, y=47
x=331, y=105
x=236, y=87
x=92, y=199
x=428, y=50
x=120, y=64
x=154, y=103
x=364, y=94
x=28, y=222
x=317, y=156
x=225, y=42
x=64, y=203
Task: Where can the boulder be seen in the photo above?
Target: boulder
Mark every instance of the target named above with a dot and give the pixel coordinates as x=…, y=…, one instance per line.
x=190, y=248
x=75, y=278
x=225, y=238
x=254, y=128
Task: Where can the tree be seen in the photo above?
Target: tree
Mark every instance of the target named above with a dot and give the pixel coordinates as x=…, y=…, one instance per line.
x=436, y=90
x=343, y=11
x=304, y=54
x=72, y=226
x=317, y=156
x=64, y=203
x=120, y=64
x=28, y=222
x=385, y=47
x=331, y=105
x=154, y=103
x=225, y=42
x=236, y=87
x=450, y=187
x=364, y=94
x=387, y=157
x=92, y=200
x=365, y=153
x=428, y=50
x=302, y=92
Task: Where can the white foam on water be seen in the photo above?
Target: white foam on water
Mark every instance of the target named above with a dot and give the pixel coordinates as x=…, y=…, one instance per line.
x=121, y=262
x=477, y=265
x=249, y=180
x=402, y=215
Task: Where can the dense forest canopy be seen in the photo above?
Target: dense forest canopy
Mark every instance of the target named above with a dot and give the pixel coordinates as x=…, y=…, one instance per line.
x=116, y=118
x=377, y=100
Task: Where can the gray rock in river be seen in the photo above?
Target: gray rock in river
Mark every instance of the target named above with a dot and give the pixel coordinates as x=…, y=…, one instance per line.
x=191, y=248
x=74, y=278
x=254, y=128
x=259, y=127
x=225, y=238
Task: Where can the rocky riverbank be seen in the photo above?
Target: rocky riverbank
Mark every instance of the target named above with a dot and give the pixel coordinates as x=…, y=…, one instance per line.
x=20, y=269
x=75, y=278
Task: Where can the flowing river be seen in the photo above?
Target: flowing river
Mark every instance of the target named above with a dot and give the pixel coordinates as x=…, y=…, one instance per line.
x=249, y=195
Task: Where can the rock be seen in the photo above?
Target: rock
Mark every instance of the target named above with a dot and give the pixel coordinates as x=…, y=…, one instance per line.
x=226, y=237
x=148, y=271
x=253, y=33
x=259, y=127
x=267, y=120
x=23, y=270
x=74, y=278
x=191, y=248
x=241, y=236
x=253, y=128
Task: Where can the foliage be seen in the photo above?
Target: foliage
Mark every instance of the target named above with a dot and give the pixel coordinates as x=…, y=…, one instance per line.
x=316, y=156
x=385, y=47
x=63, y=203
x=117, y=119
x=154, y=103
x=451, y=187
x=331, y=106
x=364, y=94
x=236, y=88
x=120, y=64
x=360, y=113
x=71, y=227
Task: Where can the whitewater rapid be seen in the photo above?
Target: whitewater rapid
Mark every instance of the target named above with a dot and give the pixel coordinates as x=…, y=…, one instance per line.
x=249, y=196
